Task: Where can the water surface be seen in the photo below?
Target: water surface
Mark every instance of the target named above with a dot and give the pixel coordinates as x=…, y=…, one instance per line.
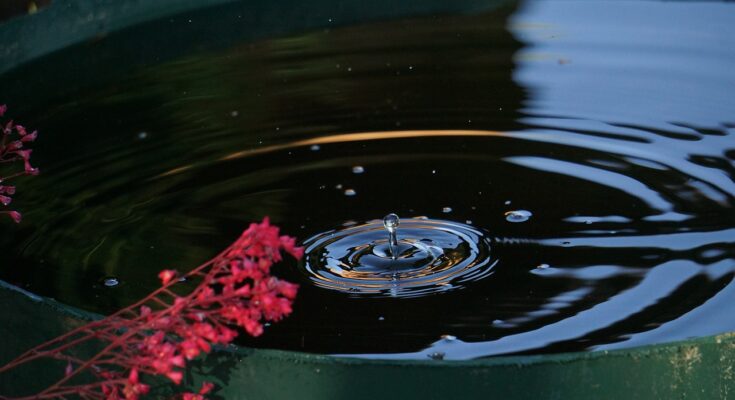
x=610, y=123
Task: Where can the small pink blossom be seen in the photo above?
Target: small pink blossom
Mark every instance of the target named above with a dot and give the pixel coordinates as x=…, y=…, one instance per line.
x=167, y=275
x=12, y=140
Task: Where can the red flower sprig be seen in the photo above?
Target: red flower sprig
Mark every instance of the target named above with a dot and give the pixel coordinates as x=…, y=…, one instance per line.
x=159, y=334
x=12, y=149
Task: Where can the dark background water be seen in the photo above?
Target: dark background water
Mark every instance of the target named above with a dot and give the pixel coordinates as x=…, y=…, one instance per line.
x=611, y=122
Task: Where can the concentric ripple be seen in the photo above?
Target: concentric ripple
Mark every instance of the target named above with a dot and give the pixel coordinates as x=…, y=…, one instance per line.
x=432, y=256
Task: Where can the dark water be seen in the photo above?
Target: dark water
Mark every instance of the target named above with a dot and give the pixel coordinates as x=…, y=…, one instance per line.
x=610, y=122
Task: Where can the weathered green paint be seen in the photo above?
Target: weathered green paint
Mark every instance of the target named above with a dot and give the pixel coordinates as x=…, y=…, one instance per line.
x=697, y=369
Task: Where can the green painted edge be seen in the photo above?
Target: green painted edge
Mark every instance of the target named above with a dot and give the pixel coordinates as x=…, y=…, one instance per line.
x=70, y=22
x=695, y=369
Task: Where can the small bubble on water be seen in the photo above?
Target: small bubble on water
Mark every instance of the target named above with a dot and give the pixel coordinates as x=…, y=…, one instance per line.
x=234, y=113
x=518, y=216
x=507, y=202
x=142, y=135
x=447, y=210
x=350, y=192
x=315, y=147
x=111, y=282
x=542, y=266
x=381, y=318
x=437, y=355
x=349, y=69
x=338, y=186
x=358, y=169
x=449, y=338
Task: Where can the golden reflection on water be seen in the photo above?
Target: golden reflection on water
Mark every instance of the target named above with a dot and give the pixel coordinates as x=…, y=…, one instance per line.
x=344, y=138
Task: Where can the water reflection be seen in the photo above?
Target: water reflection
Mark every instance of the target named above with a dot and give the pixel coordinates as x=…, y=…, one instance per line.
x=606, y=121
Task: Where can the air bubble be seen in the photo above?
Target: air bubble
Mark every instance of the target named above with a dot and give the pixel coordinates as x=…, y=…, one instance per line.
x=111, y=282
x=518, y=216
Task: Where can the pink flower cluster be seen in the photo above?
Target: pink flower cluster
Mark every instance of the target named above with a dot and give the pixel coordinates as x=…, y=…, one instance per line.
x=12, y=149
x=158, y=335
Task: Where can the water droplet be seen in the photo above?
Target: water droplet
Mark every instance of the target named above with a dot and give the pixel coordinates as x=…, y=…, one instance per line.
x=447, y=210
x=314, y=147
x=338, y=186
x=358, y=169
x=349, y=69
x=542, y=266
x=518, y=216
x=468, y=222
x=111, y=282
x=234, y=113
x=507, y=202
x=437, y=355
x=381, y=318
x=350, y=192
x=391, y=222
x=449, y=338
x=433, y=171
x=142, y=135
